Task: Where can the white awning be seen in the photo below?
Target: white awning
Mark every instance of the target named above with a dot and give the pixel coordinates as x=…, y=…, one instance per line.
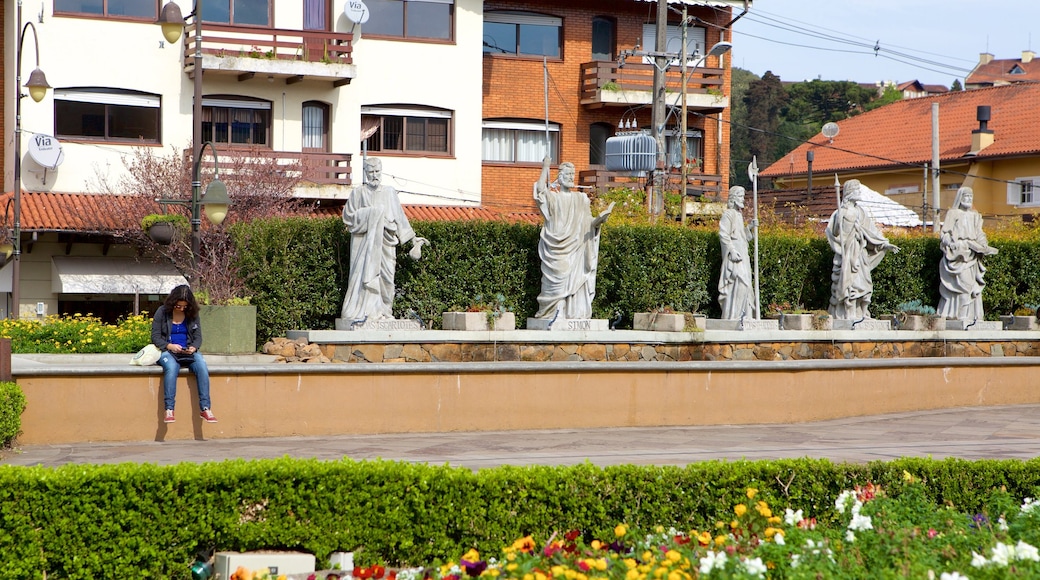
x=76, y=275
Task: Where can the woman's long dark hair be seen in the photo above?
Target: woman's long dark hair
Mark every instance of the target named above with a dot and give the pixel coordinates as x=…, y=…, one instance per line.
x=182, y=293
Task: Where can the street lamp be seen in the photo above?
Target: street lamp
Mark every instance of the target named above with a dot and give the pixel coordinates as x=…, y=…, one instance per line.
x=718, y=49
x=214, y=202
x=37, y=85
x=215, y=199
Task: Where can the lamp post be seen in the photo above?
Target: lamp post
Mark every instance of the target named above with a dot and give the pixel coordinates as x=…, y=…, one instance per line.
x=37, y=85
x=216, y=198
x=718, y=49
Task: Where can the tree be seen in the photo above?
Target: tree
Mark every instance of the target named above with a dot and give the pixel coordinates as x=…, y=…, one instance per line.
x=956, y=86
x=739, y=140
x=259, y=185
x=765, y=99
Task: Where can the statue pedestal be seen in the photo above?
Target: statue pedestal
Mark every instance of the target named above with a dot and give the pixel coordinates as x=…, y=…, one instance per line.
x=583, y=324
x=748, y=324
x=867, y=324
x=381, y=324
x=976, y=325
x=478, y=321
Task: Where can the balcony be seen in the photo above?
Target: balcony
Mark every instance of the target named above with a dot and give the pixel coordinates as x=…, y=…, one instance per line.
x=315, y=170
x=271, y=53
x=605, y=84
x=698, y=185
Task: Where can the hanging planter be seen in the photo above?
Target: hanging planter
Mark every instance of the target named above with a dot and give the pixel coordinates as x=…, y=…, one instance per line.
x=162, y=227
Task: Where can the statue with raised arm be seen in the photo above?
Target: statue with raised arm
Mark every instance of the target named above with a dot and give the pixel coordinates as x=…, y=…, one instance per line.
x=961, y=272
x=568, y=246
x=375, y=219
x=736, y=293
x=858, y=248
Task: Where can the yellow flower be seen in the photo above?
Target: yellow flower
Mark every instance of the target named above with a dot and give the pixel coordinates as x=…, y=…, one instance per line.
x=770, y=532
x=472, y=555
x=630, y=563
x=704, y=538
x=648, y=556
x=751, y=492
x=511, y=567
x=740, y=509
x=596, y=544
x=633, y=574
x=775, y=520
x=720, y=540
x=673, y=555
x=763, y=509
x=620, y=530
x=540, y=576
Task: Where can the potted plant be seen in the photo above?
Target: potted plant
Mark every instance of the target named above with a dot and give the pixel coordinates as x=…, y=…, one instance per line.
x=667, y=319
x=915, y=315
x=228, y=326
x=162, y=228
x=481, y=315
x=791, y=317
x=1023, y=318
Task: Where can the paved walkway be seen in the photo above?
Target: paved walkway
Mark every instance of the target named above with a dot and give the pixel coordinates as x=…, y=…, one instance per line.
x=1009, y=432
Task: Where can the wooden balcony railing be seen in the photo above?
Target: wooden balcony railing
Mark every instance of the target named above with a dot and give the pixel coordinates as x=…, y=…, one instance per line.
x=314, y=46
x=312, y=168
x=698, y=185
x=601, y=78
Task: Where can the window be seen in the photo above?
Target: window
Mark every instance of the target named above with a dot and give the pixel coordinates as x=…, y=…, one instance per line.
x=522, y=33
x=673, y=43
x=1024, y=191
x=410, y=18
x=315, y=122
x=106, y=115
x=116, y=8
x=673, y=146
x=602, y=38
x=408, y=130
x=507, y=141
x=236, y=121
x=245, y=12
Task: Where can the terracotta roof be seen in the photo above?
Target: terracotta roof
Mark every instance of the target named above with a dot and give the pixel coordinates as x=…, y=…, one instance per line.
x=902, y=132
x=103, y=213
x=999, y=72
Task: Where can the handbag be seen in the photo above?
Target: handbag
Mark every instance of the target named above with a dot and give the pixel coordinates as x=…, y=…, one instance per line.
x=149, y=355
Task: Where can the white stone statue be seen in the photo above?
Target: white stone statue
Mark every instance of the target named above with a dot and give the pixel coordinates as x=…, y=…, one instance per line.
x=569, y=246
x=858, y=248
x=961, y=272
x=377, y=225
x=736, y=292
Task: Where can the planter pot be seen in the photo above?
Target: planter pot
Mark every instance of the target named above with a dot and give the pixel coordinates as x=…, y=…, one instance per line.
x=228, y=329
x=668, y=322
x=162, y=233
x=921, y=322
x=823, y=322
x=796, y=321
x=477, y=321
x=1021, y=323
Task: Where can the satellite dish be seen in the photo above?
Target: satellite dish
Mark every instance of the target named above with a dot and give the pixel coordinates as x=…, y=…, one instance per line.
x=46, y=151
x=830, y=130
x=356, y=11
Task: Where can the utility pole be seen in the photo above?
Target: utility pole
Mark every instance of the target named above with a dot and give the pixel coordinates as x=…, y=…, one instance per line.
x=658, y=120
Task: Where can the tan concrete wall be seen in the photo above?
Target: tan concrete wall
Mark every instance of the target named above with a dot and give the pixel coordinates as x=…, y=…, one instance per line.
x=274, y=400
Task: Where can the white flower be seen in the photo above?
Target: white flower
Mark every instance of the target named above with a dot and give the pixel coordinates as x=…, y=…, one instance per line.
x=860, y=523
x=1024, y=551
x=978, y=560
x=794, y=560
x=755, y=567
x=712, y=561
x=850, y=536
x=952, y=576
x=1002, y=524
x=1002, y=554
x=843, y=499
x=1029, y=504
x=792, y=518
x=778, y=539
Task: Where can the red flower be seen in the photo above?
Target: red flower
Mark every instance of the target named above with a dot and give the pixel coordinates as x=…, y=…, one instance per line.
x=378, y=571
x=572, y=535
x=583, y=566
x=682, y=539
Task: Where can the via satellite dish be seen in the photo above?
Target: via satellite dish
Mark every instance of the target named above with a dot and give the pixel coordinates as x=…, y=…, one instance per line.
x=356, y=11
x=46, y=151
x=830, y=131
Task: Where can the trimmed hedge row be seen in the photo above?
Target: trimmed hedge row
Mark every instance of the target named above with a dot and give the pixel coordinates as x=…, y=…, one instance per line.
x=12, y=403
x=146, y=521
x=296, y=270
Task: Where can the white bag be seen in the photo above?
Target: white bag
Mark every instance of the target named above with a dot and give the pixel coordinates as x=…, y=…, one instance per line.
x=148, y=355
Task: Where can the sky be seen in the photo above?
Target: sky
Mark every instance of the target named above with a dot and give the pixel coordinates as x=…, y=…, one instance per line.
x=933, y=41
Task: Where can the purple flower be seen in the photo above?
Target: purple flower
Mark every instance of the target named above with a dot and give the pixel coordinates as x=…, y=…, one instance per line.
x=474, y=568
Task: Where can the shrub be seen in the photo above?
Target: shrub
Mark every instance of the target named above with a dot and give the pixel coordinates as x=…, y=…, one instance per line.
x=12, y=403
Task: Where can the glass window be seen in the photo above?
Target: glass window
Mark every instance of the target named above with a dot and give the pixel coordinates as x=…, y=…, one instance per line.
x=522, y=33
x=245, y=12
x=602, y=38
x=673, y=145
x=421, y=131
x=106, y=115
x=315, y=121
x=410, y=18
x=236, y=122
x=118, y=8
x=519, y=142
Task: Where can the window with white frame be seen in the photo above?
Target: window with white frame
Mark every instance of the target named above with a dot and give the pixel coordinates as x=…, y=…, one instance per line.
x=102, y=114
x=523, y=33
x=408, y=130
x=130, y=9
x=1024, y=191
x=673, y=43
x=411, y=18
x=236, y=121
x=519, y=141
x=673, y=146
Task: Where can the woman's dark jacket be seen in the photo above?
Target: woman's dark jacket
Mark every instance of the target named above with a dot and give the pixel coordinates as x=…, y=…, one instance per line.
x=161, y=329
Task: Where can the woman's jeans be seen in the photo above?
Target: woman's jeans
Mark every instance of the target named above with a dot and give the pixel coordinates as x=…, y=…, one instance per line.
x=170, y=370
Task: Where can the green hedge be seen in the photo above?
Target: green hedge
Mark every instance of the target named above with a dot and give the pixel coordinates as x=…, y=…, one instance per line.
x=12, y=403
x=296, y=271
x=146, y=521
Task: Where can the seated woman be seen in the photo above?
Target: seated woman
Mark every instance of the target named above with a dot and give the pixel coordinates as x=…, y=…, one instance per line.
x=177, y=333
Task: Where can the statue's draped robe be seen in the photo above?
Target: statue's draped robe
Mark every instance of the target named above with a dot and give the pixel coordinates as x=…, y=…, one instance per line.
x=857, y=246
x=961, y=272
x=377, y=225
x=736, y=295
x=569, y=250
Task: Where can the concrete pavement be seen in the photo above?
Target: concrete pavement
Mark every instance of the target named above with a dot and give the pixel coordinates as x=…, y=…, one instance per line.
x=1004, y=432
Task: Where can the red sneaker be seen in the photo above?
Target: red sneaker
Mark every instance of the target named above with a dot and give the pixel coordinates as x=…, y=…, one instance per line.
x=169, y=416
x=208, y=416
